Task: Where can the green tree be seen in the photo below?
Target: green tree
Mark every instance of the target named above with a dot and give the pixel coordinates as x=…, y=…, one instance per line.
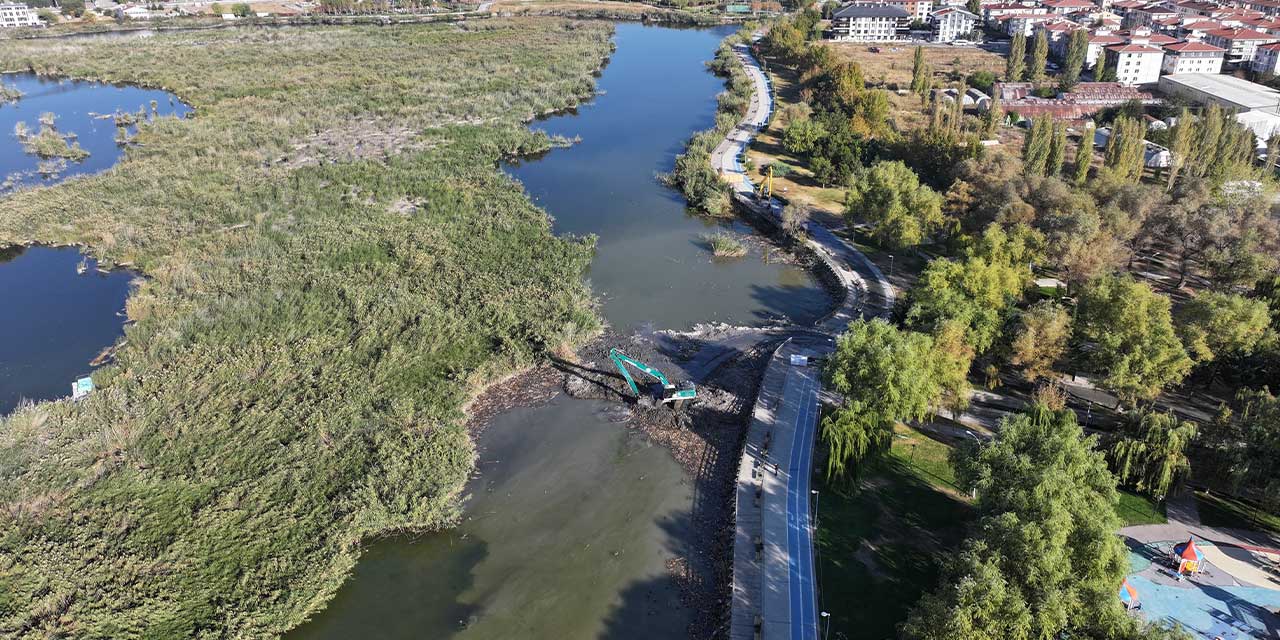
x=1077, y=51
x=920, y=75
x=1057, y=149
x=974, y=7
x=977, y=292
x=1213, y=325
x=992, y=119
x=241, y=10
x=1130, y=330
x=902, y=212
x=1040, y=339
x=1039, y=56
x=72, y=8
x=1102, y=72
x=1126, y=148
x=884, y=375
x=1045, y=561
x=802, y=135
x=1016, y=63
x=1083, y=159
x=1149, y=452
x=1179, y=145
x=1035, y=149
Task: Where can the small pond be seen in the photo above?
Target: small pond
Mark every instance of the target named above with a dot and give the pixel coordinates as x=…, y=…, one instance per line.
x=84, y=115
x=54, y=320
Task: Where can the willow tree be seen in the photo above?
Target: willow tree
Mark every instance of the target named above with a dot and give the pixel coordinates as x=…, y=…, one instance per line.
x=1149, y=452
x=884, y=375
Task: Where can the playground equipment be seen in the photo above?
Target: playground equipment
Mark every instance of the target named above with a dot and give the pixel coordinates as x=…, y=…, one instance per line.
x=1187, y=557
x=664, y=391
x=765, y=190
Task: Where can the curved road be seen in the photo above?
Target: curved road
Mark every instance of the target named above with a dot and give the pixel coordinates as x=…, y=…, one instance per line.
x=774, y=584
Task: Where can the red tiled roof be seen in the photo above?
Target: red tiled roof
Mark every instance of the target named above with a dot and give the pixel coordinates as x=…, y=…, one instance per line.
x=1133, y=48
x=1274, y=46
x=1239, y=34
x=1183, y=47
x=1105, y=39
x=1202, y=25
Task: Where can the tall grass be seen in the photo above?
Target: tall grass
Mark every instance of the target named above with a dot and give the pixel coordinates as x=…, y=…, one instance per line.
x=693, y=174
x=302, y=346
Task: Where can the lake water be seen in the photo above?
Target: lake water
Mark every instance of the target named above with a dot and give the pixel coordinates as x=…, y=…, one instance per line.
x=73, y=103
x=53, y=320
x=573, y=517
x=653, y=266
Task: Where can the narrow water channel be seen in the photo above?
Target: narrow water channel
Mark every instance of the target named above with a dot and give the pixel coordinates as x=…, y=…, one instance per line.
x=652, y=266
x=573, y=517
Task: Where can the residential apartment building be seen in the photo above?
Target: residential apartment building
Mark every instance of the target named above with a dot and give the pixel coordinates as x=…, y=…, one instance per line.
x=916, y=9
x=1192, y=57
x=1266, y=59
x=17, y=14
x=952, y=24
x=1239, y=43
x=1268, y=7
x=869, y=23
x=1135, y=64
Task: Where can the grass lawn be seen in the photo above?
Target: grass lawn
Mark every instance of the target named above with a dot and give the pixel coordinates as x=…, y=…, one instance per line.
x=1138, y=509
x=1222, y=511
x=878, y=545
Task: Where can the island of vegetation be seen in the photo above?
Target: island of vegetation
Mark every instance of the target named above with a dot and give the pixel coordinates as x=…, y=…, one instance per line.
x=334, y=263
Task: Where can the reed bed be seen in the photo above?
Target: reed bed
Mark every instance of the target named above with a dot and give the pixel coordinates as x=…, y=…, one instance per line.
x=303, y=341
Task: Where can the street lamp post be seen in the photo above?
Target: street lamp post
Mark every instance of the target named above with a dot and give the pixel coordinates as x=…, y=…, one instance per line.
x=826, y=616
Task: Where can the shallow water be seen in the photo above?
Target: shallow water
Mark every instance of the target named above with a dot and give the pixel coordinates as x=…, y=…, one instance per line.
x=53, y=320
x=72, y=102
x=566, y=535
x=652, y=266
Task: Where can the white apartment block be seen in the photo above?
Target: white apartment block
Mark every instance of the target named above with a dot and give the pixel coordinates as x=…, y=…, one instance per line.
x=1192, y=57
x=1239, y=43
x=868, y=23
x=17, y=14
x=1266, y=58
x=1135, y=64
x=952, y=24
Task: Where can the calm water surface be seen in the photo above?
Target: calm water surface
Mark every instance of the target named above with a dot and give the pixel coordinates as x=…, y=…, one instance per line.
x=573, y=517
x=566, y=535
x=53, y=321
x=652, y=266
x=72, y=102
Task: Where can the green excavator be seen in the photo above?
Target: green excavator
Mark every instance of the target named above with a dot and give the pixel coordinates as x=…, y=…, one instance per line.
x=663, y=392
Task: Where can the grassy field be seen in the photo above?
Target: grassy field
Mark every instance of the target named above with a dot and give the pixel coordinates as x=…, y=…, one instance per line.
x=1138, y=509
x=1222, y=511
x=879, y=545
x=315, y=314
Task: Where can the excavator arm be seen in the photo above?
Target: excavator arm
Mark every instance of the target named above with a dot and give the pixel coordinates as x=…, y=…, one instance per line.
x=669, y=391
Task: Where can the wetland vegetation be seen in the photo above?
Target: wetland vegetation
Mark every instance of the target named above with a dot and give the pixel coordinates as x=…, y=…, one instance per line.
x=308, y=330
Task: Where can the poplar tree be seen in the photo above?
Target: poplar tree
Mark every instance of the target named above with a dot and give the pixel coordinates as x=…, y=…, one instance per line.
x=1084, y=157
x=1126, y=149
x=1016, y=63
x=993, y=117
x=1273, y=147
x=1035, y=151
x=1077, y=51
x=920, y=75
x=1039, y=55
x=1179, y=145
x=1103, y=73
x=1057, y=149
x=1205, y=144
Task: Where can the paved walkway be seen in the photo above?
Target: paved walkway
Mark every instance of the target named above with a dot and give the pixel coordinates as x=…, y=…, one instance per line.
x=774, y=585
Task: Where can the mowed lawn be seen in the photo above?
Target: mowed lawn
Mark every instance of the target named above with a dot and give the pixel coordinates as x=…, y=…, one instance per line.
x=879, y=543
